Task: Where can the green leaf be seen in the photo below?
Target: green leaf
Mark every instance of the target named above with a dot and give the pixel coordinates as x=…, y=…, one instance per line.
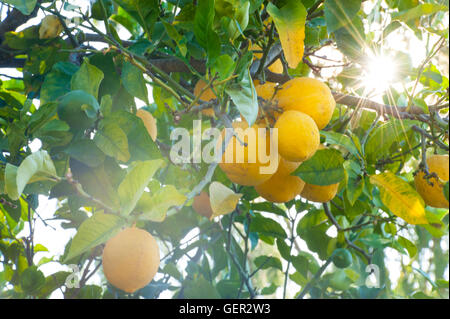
x=22, y=40
x=400, y=197
x=200, y=288
x=408, y=245
x=97, y=182
x=421, y=295
x=154, y=207
x=245, y=97
x=174, y=35
x=41, y=116
x=87, y=79
x=93, y=232
x=35, y=167
x=112, y=140
x=11, y=181
x=269, y=290
x=204, y=17
x=16, y=138
x=133, y=185
x=342, y=140
x=436, y=227
x=301, y=264
x=90, y=292
x=350, y=39
x=31, y=280
x=419, y=11
x=312, y=229
x=265, y=262
x=86, y=152
x=267, y=227
x=379, y=143
x=338, y=14
x=53, y=282
x=355, y=187
x=110, y=84
x=144, y=11
x=324, y=168
x=133, y=81
x=283, y=249
x=57, y=82
x=24, y=6
x=224, y=66
x=140, y=144
x=375, y=241
x=268, y=207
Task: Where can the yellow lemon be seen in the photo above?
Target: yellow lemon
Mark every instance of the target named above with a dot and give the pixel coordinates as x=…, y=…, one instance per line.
x=281, y=187
x=241, y=160
x=131, y=259
x=298, y=136
x=309, y=96
x=319, y=194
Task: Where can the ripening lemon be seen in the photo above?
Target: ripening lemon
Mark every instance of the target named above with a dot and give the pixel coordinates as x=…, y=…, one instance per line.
x=50, y=27
x=206, y=96
x=281, y=187
x=433, y=195
x=149, y=122
x=242, y=163
x=298, y=136
x=309, y=96
x=317, y=193
x=202, y=205
x=131, y=259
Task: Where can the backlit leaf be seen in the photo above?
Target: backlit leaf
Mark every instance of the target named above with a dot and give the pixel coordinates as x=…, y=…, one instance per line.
x=87, y=78
x=223, y=200
x=400, y=197
x=290, y=24
x=324, y=168
x=154, y=206
x=134, y=184
x=93, y=232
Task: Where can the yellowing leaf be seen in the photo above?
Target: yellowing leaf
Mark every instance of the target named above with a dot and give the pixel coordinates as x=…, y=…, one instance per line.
x=401, y=198
x=149, y=122
x=155, y=206
x=223, y=200
x=290, y=24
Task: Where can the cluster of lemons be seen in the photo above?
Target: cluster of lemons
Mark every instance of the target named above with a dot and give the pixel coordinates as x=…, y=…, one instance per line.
x=131, y=258
x=302, y=107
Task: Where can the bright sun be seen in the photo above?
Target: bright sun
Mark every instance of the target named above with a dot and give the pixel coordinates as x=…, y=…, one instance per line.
x=379, y=73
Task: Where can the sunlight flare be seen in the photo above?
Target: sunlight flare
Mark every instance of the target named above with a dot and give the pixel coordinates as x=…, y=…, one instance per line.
x=379, y=73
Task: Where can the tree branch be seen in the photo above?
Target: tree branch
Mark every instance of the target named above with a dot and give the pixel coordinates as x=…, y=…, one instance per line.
x=15, y=19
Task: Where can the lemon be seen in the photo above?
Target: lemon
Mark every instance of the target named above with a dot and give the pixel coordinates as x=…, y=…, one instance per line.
x=298, y=136
x=131, y=259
